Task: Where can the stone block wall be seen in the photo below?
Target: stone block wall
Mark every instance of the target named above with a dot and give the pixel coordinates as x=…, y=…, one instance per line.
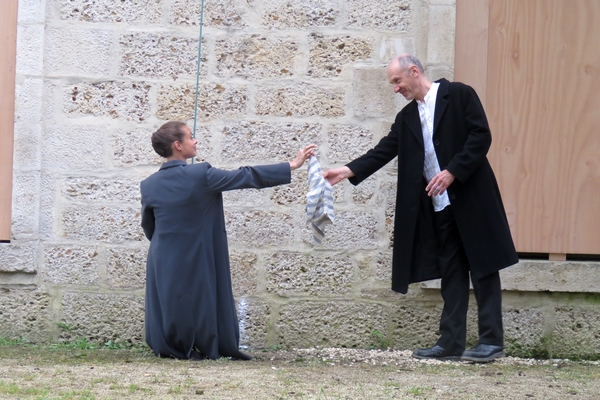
x=96, y=77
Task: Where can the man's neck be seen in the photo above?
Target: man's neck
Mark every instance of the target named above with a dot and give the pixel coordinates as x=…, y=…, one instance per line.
x=424, y=87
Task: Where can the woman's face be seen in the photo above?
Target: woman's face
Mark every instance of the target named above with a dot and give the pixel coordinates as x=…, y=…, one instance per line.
x=188, y=144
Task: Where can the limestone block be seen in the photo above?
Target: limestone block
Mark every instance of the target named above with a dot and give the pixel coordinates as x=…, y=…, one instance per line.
x=329, y=54
x=472, y=322
x=415, y=325
x=339, y=323
x=101, y=190
x=102, y=317
x=152, y=55
x=204, y=148
x=552, y=276
x=439, y=72
x=18, y=256
x=253, y=198
x=292, y=273
x=577, y=331
x=256, y=141
x=295, y=192
x=48, y=189
x=391, y=46
x=301, y=100
x=380, y=15
x=132, y=12
x=176, y=102
x=114, y=224
x=92, y=57
x=440, y=47
x=113, y=99
x=366, y=192
x=31, y=11
x=51, y=102
x=259, y=228
x=560, y=276
x=283, y=14
x=71, y=264
x=25, y=203
x=30, y=44
x=28, y=100
x=26, y=155
x=254, y=317
x=244, y=273
x=346, y=142
x=217, y=13
x=133, y=147
x=59, y=140
x=374, y=96
x=524, y=331
x=126, y=267
x=26, y=314
x=383, y=266
x=389, y=191
x=353, y=230
x=255, y=56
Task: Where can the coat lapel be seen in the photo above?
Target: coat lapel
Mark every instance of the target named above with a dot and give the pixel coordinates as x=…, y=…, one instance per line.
x=413, y=121
x=440, y=104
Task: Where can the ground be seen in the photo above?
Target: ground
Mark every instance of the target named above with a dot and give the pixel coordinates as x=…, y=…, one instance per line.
x=87, y=372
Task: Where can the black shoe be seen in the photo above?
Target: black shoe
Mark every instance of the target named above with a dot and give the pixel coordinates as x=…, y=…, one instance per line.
x=436, y=353
x=483, y=353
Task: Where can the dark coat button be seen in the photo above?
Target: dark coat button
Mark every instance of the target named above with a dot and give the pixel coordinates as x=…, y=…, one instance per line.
x=437, y=142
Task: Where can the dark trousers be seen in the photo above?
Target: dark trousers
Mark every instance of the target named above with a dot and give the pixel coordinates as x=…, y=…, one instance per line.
x=454, y=267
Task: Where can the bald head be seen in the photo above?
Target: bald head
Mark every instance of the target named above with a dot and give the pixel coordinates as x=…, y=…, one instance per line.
x=405, y=61
x=406, y=73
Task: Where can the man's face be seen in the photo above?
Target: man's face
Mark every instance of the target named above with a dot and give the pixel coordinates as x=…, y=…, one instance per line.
x=188, y=143
x=404, y=80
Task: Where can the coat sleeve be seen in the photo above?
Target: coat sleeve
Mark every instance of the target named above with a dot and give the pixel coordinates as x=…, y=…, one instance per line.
x=369, y=163
x=147, y=218
x=478, y=140
x=262, y=176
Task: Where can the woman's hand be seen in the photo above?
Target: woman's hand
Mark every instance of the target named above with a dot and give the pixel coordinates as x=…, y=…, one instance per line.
x=302, y=155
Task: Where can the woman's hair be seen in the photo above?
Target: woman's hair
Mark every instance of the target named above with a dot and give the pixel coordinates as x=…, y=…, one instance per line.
x=165, y=136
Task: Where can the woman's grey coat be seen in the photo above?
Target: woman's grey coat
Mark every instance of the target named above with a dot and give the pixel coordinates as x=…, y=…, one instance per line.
x=189, y=299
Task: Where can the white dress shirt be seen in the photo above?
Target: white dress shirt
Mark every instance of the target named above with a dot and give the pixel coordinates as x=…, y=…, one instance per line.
x=432, y=167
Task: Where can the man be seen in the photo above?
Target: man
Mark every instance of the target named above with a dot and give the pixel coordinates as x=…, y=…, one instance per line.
x=450, y=219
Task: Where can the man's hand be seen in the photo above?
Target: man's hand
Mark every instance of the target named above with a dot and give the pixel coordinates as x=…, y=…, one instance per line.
x=302, y=155
x=439, y=183
x=337, y=174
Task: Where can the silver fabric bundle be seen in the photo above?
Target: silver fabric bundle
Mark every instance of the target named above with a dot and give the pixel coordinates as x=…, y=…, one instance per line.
x=319, y=200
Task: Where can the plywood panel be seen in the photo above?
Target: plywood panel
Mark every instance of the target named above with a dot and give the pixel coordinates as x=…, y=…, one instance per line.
x=543, y=88
x=471, y=45
x=8, y=40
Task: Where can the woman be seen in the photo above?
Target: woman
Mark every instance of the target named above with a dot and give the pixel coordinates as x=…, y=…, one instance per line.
x=190, y=310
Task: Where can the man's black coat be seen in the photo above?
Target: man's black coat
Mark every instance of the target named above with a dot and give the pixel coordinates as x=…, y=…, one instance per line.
x=461, y=137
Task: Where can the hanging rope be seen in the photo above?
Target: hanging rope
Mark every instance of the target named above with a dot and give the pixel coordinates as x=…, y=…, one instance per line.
x=198, y=70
